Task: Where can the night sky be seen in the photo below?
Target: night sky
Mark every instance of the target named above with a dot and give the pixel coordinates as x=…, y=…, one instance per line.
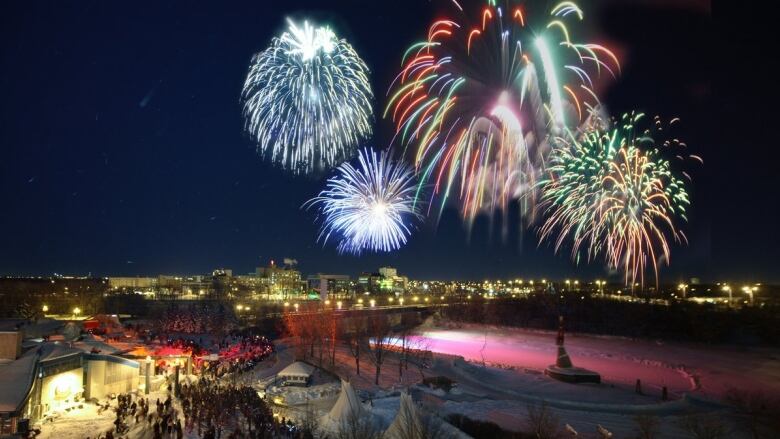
x=123, y=149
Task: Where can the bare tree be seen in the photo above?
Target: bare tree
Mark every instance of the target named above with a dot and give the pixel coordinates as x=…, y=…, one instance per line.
x=704, y=427
x=543, y=422
x=379, y=331
x=757, y=412
x=647, y=427
x=29, y=309
x=418, y=352
x=409, y=321
x=428, y=426
x=333, y=331
x=294, y=328
x=355, y=336
x=359, y=424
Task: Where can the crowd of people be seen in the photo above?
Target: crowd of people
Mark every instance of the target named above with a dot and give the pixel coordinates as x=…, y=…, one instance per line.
x=239, y=354
x=134, y=411
x=211, y=409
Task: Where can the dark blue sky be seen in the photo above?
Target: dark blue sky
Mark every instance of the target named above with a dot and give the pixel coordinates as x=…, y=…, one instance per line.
x=123, y=150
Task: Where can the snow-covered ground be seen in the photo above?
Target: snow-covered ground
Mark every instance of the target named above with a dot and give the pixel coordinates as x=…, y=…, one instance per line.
x=683, y=368
x=498, y=372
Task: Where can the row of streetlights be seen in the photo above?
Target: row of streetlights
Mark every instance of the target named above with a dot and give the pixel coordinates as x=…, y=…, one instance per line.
x=372, y=302
x=76, y=310
x=747, y=289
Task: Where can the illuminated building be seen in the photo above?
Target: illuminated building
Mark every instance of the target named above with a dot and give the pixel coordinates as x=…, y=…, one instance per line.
x=336, y=286
x=55, y=377
x=281, y=282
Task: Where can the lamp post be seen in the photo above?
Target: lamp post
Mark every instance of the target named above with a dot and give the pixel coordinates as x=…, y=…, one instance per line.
x=749, y=291
x=45, y=309
x=76, y=312
x=727, y=289
x=684, y=288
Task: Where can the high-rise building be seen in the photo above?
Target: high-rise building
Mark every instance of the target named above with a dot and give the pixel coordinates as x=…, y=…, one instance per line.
x=282, y=282
x=333, y=286
x=388, y=272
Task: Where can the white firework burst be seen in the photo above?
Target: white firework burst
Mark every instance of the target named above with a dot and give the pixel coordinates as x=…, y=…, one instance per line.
x=307, y=99
x=369, y=207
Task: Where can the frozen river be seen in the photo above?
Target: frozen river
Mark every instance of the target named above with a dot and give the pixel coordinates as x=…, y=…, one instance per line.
x=682, y=368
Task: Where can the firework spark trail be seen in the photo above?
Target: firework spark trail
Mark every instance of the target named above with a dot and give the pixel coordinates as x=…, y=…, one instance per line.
x=610, y=192
x=368, y=207
x=307, y=100
x=470, y=102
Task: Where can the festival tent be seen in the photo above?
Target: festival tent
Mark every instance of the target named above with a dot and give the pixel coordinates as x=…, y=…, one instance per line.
x=348, y=409
x=407, y=423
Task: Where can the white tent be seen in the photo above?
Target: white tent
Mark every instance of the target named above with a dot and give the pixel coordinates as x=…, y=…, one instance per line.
x=347, y=409
x=296, y=373
x=407, y=423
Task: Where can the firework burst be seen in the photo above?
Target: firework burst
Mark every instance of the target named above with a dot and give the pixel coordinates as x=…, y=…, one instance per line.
x=478, y=100
x=307, y=99
x=368, y=207
x=611, y=192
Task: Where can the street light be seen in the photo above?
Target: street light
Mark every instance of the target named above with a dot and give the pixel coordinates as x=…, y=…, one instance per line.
x=76, y=311
x=727, y=289
x=45, y=308
x=372, y=302
x=749, y=290
x=296, y=307
x=338, y=304
x=683, y=287
x=239, y=307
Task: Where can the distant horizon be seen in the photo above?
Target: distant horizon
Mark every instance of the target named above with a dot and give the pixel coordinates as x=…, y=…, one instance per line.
x=525, y=277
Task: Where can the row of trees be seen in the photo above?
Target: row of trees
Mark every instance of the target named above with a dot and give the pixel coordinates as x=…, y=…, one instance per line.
x=318, y=332
x=591, y=314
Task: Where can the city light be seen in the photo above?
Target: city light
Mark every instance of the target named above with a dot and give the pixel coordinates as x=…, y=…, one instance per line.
x=45, y=308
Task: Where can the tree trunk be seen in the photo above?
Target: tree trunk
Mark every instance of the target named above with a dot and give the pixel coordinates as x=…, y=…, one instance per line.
x=378, y=368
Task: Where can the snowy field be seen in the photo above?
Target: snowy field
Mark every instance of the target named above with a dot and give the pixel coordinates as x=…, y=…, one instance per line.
x=683, y=368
